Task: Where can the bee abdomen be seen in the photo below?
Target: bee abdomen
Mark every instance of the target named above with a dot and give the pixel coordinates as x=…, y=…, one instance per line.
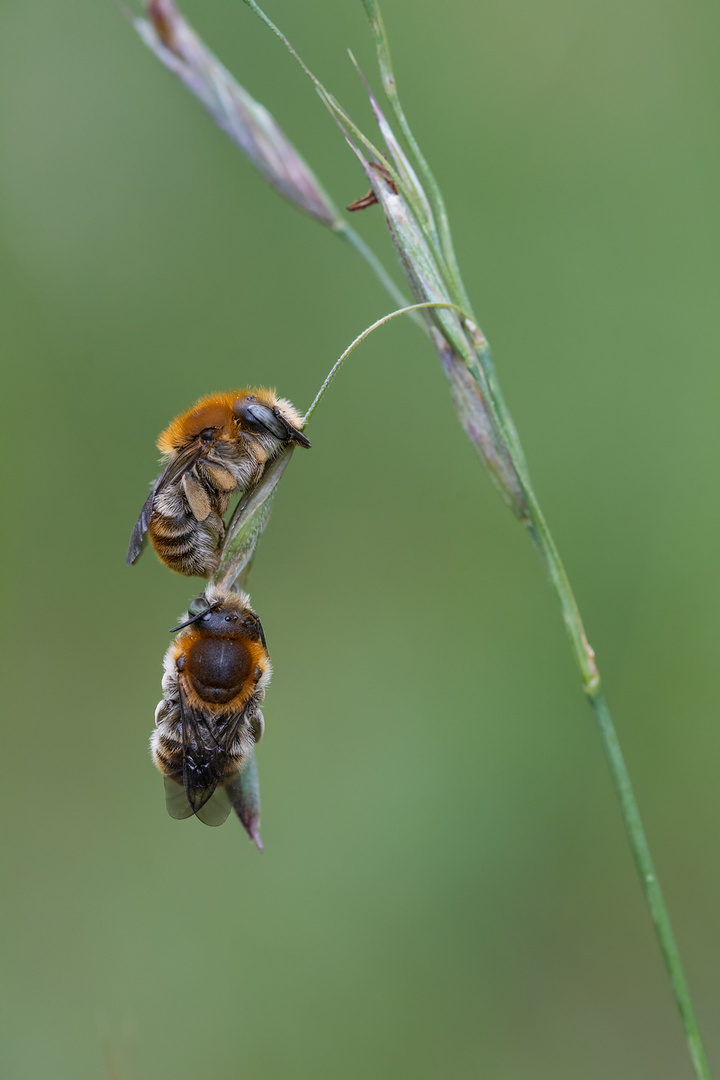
x=168, y=755
x=173, y=529
x=202, y=766
x=186, y=545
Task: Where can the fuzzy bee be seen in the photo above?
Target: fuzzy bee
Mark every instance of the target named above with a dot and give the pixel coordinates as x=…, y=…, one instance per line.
x=209, y=719
x=220, y=446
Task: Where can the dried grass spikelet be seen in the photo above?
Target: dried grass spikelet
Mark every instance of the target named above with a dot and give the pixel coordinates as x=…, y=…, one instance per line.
x=245, y=120
x=457, y=340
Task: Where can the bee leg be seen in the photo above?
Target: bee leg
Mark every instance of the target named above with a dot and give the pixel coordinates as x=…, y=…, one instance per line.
x=223, y=480
x=208, y=552
x=216, y=526
x=211, y=564
x=197, y=497
x=257, y=725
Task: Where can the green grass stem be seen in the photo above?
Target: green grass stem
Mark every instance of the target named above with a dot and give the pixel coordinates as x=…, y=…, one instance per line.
x=649, y=881
x=590, y=677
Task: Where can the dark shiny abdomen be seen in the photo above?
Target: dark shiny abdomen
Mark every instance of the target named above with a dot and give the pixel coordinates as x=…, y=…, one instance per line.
x=218, y=668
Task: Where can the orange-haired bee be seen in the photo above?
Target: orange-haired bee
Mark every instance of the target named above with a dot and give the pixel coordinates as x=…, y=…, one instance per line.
x=220, y=446
x=209, y=719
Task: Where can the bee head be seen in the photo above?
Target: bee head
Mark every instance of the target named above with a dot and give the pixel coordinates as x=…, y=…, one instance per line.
x=252, y=415
x=198, y=610
x=223, y=621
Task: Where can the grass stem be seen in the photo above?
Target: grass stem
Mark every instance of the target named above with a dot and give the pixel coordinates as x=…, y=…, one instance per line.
x=629, y=810
x=648, y=880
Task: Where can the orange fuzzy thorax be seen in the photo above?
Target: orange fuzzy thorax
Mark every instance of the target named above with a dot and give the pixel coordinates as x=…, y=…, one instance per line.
x=211, y=411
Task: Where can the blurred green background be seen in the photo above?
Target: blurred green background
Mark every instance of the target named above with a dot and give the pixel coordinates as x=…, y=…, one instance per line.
x=446, y=890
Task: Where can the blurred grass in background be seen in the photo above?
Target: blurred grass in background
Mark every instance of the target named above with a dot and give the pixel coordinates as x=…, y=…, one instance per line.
x=446, y=889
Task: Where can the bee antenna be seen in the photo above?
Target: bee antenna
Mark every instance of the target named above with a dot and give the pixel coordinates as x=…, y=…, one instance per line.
x=195, y=618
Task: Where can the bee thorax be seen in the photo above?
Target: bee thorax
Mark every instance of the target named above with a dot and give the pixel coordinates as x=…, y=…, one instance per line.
x=218, y=668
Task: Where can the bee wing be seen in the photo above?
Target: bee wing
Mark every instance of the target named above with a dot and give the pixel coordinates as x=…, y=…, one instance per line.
x=180, y=464
x=212, y=812
x=203, y=791
x=176, y=801
x=137, y=540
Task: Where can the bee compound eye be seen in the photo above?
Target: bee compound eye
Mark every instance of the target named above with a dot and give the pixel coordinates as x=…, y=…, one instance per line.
x=259, y=419
x=180, y=663
x=196, y=607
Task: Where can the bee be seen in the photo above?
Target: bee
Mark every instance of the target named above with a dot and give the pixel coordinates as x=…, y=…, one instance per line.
x=219, y=446
x=209, y=719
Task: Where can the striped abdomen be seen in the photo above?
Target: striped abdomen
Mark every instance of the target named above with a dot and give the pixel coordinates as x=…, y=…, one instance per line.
x=186, y=527
x=206, y=758
x=185, y=544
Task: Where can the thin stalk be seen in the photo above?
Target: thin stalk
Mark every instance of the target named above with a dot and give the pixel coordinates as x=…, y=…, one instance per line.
x=329, y=99
x=341, y=227
x=251, y=514
x=409, y=310
x=278, y=32
x=584, y=655
x=648, y=878
x=629, y=810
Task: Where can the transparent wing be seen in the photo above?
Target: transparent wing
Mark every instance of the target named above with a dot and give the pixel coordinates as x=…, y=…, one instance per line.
x=176, y=800
x=180, y=464
x=212, y=812
x=137, y=540
x=203, y=791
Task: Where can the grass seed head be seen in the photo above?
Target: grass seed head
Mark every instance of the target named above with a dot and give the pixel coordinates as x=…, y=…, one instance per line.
x=245, y=120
